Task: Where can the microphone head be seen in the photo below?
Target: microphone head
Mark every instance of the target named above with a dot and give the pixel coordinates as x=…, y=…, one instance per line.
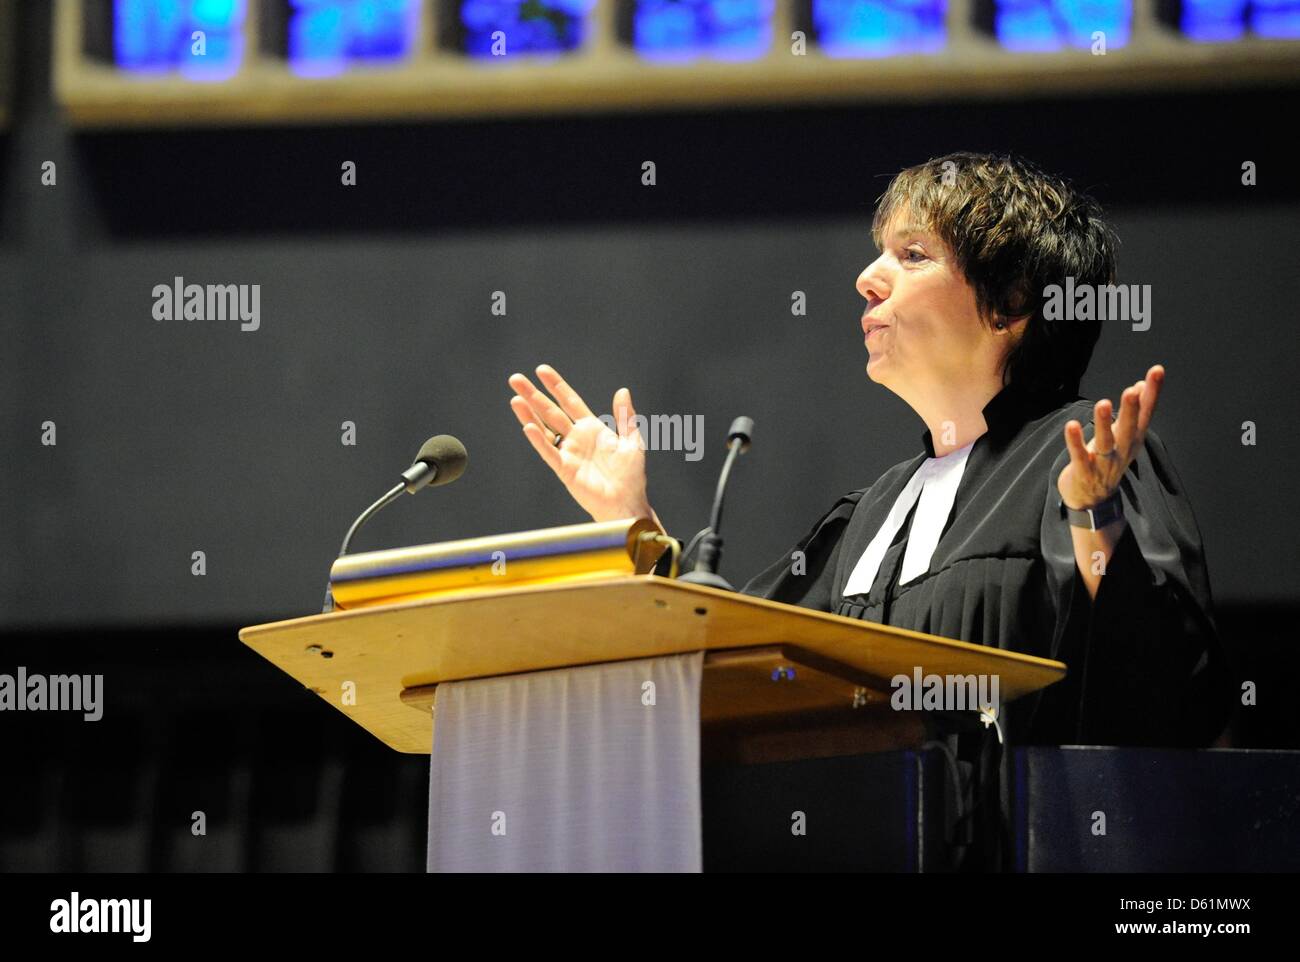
x=742, y=428
x=447, y=455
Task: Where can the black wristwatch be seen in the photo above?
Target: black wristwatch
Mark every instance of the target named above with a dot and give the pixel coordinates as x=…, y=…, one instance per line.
x=1096, y=517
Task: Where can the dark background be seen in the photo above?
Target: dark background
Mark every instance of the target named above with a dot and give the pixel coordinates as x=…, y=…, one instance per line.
x=179, y=436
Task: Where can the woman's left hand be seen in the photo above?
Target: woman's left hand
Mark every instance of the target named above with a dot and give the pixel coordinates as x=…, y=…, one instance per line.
x=1095, y=468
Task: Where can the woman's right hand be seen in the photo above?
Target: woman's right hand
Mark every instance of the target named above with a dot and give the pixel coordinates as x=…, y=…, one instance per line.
x=603, y=470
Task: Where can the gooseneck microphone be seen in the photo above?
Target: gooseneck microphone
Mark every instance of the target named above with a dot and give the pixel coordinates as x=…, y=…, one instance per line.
x=441, y=460
x=710, y=556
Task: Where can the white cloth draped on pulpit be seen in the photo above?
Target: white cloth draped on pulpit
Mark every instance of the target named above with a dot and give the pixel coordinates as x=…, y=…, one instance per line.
x=591, y=769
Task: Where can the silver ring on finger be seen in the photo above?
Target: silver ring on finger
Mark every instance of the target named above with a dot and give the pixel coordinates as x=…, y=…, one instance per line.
x=559, y=438
x=1110, y=455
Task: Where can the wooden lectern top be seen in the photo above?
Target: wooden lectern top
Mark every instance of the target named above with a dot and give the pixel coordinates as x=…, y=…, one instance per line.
x=393, y=652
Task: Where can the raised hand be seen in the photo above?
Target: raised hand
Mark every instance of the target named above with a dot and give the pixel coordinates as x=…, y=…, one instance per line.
x=603, y=470
x=1095, y=469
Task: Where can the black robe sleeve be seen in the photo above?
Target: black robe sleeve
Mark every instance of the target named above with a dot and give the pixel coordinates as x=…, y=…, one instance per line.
x=1147, y=662
x=803, y=575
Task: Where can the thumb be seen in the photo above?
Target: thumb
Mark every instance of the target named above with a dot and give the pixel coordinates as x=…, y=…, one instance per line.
x=623, y=411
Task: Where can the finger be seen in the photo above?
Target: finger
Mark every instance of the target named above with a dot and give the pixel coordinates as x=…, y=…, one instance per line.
x=524, y=389
x=544, y=448
x=527, y=414
x=518, y=377
x=1126, y=428
x=521, y=384
x=524, y=412
x=1150, y=395
x=545, y=411
x=623, y=411
x=1079, y=456
x=570, y=402
x=1103, y=438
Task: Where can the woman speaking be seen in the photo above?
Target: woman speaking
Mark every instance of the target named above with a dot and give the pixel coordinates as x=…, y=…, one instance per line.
x=1033, y=520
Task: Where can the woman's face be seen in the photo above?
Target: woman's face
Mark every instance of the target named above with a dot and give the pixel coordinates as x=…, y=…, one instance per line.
x=922, y=330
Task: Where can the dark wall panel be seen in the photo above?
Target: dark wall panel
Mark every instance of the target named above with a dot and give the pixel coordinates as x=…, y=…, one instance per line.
x=177, y=436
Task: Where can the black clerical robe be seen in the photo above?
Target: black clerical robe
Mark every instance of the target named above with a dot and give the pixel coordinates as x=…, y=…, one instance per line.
x=1146, y=666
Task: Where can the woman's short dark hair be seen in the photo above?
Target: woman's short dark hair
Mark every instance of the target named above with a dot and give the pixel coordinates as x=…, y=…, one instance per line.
x=1014, y=230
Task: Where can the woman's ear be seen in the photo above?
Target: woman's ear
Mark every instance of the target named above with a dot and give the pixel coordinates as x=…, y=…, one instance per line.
x=1006, y=325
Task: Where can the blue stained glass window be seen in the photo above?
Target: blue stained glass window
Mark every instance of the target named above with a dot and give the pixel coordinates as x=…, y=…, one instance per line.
x=678, y=30
x=326, y=36
x=1036, y=25
x=1217, y=20
x=1279, y=19
x=879, y=28
x=526, y=26
x=156, y=36
x=1214, y=19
